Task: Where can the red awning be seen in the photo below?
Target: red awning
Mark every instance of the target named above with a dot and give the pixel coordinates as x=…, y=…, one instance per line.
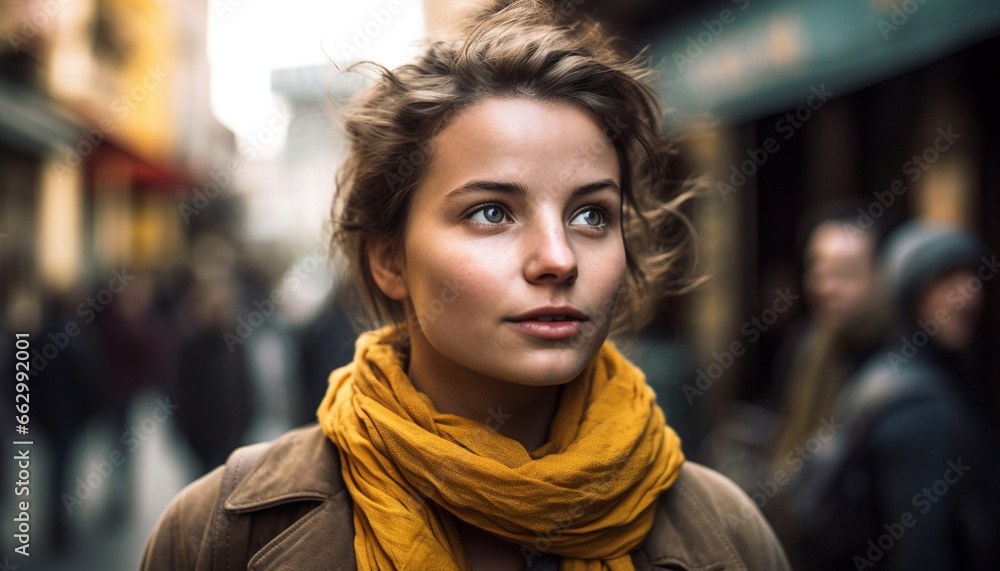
x=111, y=160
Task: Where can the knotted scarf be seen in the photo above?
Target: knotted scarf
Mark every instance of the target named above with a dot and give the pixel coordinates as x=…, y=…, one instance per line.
x=587, y=495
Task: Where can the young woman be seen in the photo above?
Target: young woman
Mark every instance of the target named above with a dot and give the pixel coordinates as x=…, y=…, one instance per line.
x=501, y=211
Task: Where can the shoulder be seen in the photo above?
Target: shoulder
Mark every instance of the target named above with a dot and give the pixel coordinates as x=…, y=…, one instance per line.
x=174, y=541
x=917, y=396
x=704, y=520
x=273, y=483
x=884, y=381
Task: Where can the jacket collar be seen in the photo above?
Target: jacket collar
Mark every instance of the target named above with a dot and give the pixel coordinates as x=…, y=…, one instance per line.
x=304, y=465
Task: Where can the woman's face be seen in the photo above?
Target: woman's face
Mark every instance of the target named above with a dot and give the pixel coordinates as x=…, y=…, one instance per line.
x=516, y=224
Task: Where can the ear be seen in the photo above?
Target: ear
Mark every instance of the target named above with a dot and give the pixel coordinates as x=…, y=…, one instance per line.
x=386, y=269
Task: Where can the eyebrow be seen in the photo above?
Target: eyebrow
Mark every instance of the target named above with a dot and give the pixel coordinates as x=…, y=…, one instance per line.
x=520, y=190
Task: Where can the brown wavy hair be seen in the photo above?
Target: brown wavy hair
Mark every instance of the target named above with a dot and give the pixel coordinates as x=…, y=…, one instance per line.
x=527, y=49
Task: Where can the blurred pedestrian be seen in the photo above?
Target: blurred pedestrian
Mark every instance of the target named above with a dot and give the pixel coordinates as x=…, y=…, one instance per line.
x=325, y=344
x=136, y=343
x=69, y=393
x=212, y=386
x=847, y=320
x=846, y=323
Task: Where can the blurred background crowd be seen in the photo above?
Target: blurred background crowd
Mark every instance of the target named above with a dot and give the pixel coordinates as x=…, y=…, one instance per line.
x=166, y=168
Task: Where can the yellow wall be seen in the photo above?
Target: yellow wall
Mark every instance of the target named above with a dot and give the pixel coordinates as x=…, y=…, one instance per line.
x=128, y=100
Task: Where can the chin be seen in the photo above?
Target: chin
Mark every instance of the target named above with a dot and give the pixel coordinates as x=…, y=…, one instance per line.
x=545, y=370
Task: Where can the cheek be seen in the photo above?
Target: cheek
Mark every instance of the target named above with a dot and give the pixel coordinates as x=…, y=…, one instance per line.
x=604, y=272
x=453, y=281
x=616, y=260
x=615, y=277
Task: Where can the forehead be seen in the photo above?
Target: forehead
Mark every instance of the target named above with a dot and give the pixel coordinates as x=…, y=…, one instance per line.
x=831, y=241
x=542, y=144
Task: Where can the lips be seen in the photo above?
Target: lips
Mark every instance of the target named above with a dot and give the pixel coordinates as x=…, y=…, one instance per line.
x=551, y=323
x=552, y=313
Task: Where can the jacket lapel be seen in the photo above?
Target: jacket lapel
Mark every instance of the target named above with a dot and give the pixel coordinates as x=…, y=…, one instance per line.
x=319, y=540
x=304, y=467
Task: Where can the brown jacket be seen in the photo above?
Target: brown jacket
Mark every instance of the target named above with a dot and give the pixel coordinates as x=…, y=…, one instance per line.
x=282, y=505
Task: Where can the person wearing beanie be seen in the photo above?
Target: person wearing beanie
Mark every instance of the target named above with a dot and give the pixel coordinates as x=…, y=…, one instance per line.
x=918, y=253
x=904, y=482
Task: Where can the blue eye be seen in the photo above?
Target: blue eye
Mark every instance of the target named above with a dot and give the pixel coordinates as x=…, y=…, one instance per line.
x=489, y=214
x=590, y=217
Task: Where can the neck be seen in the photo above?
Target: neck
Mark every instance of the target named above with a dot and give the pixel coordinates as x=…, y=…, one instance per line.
x=519, y=412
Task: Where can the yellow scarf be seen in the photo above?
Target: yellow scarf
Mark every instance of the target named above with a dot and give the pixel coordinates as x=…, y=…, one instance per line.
x=587, y=495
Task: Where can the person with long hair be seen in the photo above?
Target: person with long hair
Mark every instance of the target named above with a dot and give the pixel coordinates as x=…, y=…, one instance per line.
x=503, y=209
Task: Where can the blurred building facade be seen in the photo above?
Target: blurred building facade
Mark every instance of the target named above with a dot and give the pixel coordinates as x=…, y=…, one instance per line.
x=105, y=130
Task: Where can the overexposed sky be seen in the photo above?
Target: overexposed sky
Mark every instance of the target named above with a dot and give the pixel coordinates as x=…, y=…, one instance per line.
x=249, y=38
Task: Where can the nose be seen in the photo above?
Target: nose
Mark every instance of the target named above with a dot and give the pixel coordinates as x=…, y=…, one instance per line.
x=551, y=258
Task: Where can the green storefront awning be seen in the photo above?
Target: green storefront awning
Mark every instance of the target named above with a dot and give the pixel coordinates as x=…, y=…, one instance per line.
x=749, y=58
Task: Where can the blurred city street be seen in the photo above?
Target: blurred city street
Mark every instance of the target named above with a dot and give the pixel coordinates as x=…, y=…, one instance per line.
x=105, y=536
